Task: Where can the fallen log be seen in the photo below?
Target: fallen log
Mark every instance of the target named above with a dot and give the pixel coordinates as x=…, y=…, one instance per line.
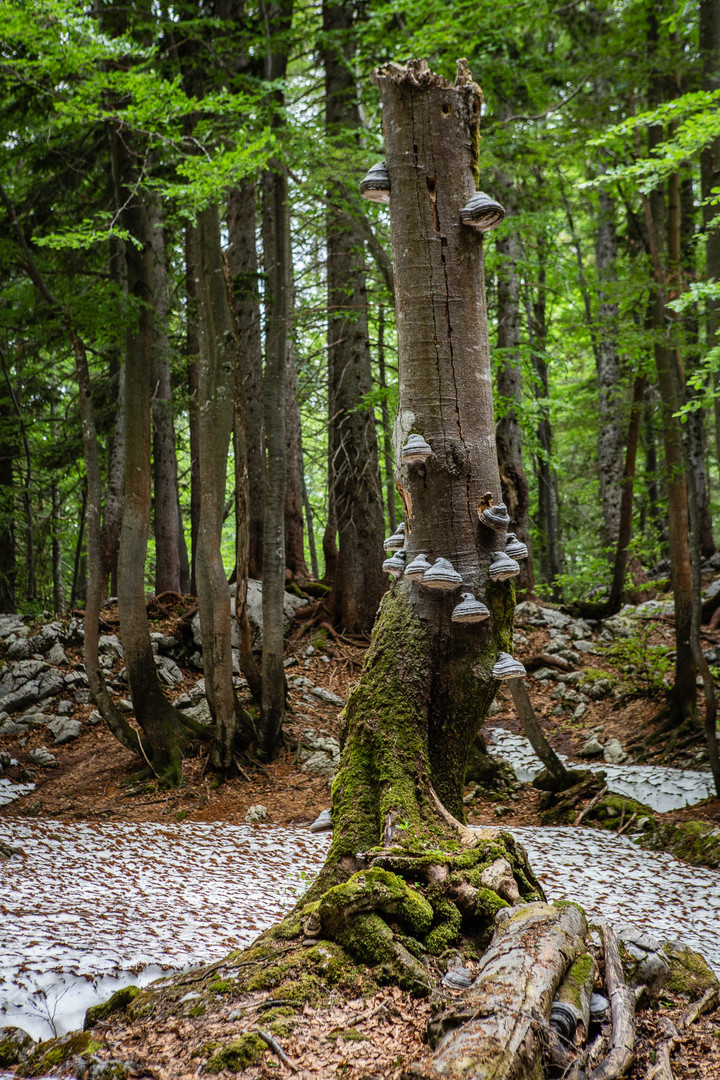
x=620, y=1059
x=504, y=1015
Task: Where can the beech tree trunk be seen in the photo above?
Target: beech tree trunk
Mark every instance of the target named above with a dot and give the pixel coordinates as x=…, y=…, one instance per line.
x=709, y=44
x=244, y=274
x=7, y=505
x=356, y=493
x=295, y=564
x=165, y=503
x=508, y=433
x=216, y=410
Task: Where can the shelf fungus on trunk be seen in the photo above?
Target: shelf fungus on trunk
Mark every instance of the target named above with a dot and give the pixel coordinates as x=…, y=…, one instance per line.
x=502, y=567
x=395, y=565
x=441, y=575
x=470, y=610
x=375, y=185
x=482, y=212
x=495, y=517
x=507, y=667
x=515, y=548
x=416, y=451
x=415, y=569
x=396, y=542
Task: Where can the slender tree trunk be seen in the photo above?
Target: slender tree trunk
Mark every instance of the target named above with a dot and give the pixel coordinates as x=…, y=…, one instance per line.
x=166, y=521
x=8, y=449
x=57, y=564
x=216, y=410
x=294, y=539
x=387, y=433
x=709, y=43
x=508, y=433
x=192, y=348
x=242, y=260
x=626, y=500
x=276, y=244
x=309, y=521
x=358, y=581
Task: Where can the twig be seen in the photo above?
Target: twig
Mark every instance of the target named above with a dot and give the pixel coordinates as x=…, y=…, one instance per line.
x=628, y=823
x=277, y=1049
x=240, y=769
x=593, y=802
x=622, y=1009
x=707, y=1002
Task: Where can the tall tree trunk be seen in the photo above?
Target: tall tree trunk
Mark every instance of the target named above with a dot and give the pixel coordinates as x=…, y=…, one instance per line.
x=193, y=372
x=508, y=432
x=57, y=563
x=709, y=43
x=294, y=537
x=386, y=431
x=358, y=581
x=276, y=245
x=165, y=471
x=160, y=722
x=243, y=263
x=548, y=548
x=8, y=449
x=216, y=409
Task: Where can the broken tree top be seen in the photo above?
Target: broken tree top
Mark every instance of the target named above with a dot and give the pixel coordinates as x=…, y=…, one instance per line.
x=417, y=73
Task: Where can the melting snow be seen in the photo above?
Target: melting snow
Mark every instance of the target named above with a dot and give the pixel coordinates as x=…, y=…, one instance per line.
x=660, y=788
x=611, y=877
x=10, y=791
x=92, y=907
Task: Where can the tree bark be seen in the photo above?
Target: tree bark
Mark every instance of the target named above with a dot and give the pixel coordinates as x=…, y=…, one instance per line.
x=356, y=493
x=193, y=374
x=8, y=449
x=508, y=433
x=295, y=564
x=165, y=471
x=243, y=264
x=709, y=43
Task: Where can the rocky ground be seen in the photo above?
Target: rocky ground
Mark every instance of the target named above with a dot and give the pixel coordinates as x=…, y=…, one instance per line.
x=595, y=687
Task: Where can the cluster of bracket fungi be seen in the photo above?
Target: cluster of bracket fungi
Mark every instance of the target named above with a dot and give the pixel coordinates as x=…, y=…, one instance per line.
x=482, y=213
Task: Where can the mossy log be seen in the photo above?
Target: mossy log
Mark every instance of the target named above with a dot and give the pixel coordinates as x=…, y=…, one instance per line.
x=505, y=1013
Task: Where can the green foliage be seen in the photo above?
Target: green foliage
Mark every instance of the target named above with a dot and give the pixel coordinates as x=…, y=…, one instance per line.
x=643, y=668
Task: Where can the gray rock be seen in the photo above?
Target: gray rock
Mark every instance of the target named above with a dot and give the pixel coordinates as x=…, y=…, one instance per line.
x=552, y=617
x=11, y=624
x=44, y=640
x=64, y=730
x=580, y=711
x=41, y=756
x=323, y=822
x=592, y=748
x=19, y=648
x=110, y=645
x=599, y=689
x=9, y=728
x=256, y=813
x=183, y=701
x=168, y=671
x=458, y=979
x=76, y=678
x=43, y=683
x=613, y=752
x=526, y=612
x=94, y=718
x=254, y=610
x=200, y=713
x=543, y=674
x=56, y=655
x=17, y=1044
x=165, y=642
x=585, y=646
x=65, y=708
x=327, y=695
x=34, y=718
x=319, y=764
x=643, y=959
x=197, y=692
x=125, y=705
x=82, y=697
x=712, y=590
x=325, y=743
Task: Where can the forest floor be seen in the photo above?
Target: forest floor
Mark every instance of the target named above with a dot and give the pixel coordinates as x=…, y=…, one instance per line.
x=354, y=1036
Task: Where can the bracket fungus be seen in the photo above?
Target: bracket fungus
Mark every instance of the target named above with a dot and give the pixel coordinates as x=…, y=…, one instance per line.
x=515, y=548
x=415, y=569
x=395, y=565
x=470, y=610
x=482, y=212
x=441, y=575
x=375, y=185
x=506, y=667
x=396, y=542
x=415, y=451
x=495, y=517
x=502, y=567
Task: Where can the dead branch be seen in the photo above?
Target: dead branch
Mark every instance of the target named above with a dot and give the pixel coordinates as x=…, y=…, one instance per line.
x=591, y=805
x=622, y=1009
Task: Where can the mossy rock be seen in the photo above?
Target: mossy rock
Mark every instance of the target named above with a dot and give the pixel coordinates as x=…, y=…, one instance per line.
x=53, y=1053
x=14, y=1046
x=690, y=974
x=237, y=1055
x=118, y=1001
x=694, y=842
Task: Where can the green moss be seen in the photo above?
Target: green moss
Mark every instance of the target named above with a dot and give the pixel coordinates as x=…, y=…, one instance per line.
x=446, y=929
x=689, y=972
x=237, y=1055
x=373, y=891
x=694, y=842
x=281, y=1028
x=582, y=971
x=197, y=1010
x=55, y=1052
x=221, y=986
x=14, y=1043
x=117, y=1002
x=350, y=1034
x=487, y=905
